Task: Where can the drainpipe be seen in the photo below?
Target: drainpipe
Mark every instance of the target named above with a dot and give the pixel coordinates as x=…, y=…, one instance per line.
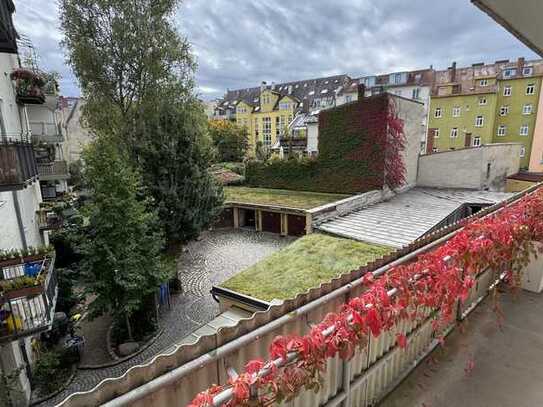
x=19, y=219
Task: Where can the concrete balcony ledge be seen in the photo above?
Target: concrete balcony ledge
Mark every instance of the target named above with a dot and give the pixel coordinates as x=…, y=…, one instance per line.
x=56, y=170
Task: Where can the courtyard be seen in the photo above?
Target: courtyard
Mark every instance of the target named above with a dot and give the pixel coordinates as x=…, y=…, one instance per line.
x=215, y=257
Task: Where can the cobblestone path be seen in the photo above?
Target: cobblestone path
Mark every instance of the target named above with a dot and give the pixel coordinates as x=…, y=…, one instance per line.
x=211, y=260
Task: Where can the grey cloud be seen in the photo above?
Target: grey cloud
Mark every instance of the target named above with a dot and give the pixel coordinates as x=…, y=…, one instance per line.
x=239, y=43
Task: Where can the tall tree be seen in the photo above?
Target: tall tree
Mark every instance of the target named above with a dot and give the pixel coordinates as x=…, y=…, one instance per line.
x=230, y=139
x=121, y=252
x=136, y=73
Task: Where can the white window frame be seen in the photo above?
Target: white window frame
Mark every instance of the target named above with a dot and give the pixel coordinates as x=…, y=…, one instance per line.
x=436, y=133
x=504, y=110
x=530, y=89
x=502, y=130
x=522, y=152
x=440, y=111
x=456, y=110
x=267, y=131
x=415, y=93
x=527, y=109
x=527, y=70
x=476, y=141
x=479, y=121
x=524, y=130
x=454, y=132
x=483, y=82
x=483, y=101
x=507, y=90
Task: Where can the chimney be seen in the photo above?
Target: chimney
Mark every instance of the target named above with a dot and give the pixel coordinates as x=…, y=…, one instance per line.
x=289, y=89
x=262, y=86
x=273, y=85
x=452, y=70
x=520, y=65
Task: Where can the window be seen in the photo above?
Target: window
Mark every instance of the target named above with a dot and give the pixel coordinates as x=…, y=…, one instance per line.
x=502, y=130
x=479, y=121
x=256, y=128
x=522, y=151
x=397, y=78
x=476, y=142
x=527, y=109
x=266, y=99
x=241, y=109
x=527, y=70
x=348, y=98
x=438, y=113
x=504, y=110
x=456, y=111
x=454, y=132
x=482, y=101
x=530, y=89
x=416, y=93
x=277, y=126
x=507, y=90
x=284, y=106
x=436, y=133
x=483, y=82
x=508, y=73
x=266, y=131
x=524, y=129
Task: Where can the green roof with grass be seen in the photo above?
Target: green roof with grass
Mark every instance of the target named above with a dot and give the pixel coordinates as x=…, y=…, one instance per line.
x=308, y=262
x=280, y=197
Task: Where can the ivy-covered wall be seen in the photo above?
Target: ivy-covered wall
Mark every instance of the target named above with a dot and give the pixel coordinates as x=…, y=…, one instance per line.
x=352, y=148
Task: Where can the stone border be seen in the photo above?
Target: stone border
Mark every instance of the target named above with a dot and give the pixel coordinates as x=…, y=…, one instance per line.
x=58, y=391
x=117, y=359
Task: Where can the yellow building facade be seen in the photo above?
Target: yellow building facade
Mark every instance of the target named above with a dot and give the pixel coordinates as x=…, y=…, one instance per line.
x=267, y=118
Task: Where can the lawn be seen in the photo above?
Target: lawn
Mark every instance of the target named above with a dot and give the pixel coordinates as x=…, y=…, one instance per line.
x=306, y=263
x=280, y=197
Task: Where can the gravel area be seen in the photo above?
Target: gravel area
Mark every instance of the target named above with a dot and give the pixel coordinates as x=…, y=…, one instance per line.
x=215, y=257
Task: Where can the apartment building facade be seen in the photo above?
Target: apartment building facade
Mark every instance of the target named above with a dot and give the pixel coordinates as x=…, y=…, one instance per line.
x=483, y=104
x=269, y=110
x=28, y=287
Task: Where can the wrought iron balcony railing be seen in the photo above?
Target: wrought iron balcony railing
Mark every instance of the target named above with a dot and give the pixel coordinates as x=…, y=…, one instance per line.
x=43, y=132
x=53, y=170
x=28, y=298
x=17, y=164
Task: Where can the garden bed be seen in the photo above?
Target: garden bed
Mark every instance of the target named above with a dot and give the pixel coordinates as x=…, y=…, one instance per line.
x=306, y=263
x=279, y=197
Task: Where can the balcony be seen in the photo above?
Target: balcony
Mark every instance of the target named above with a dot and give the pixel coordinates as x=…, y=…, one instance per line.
x=28, y=297
x=43, y=132
x=17, y=164
x=48, y=219
x=55, y=170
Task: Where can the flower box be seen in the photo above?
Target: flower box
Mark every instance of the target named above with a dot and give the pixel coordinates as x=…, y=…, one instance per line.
x=24, y=292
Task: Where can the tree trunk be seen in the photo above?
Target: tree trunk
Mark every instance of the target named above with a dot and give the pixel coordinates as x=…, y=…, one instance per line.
x=128, y=327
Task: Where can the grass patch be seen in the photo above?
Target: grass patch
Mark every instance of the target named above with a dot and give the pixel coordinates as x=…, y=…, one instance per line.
x=306, y=263
x=280, y=197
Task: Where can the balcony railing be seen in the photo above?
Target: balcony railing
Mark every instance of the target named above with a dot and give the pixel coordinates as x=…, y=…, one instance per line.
x=27, y=309
x=48, y=219
x=53, y=170
x=17, y=164
x=43, y=132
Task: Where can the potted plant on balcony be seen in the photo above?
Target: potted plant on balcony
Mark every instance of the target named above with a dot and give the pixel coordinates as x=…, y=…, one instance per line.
x=10, y=257
x=29, y=86
x=24, y=286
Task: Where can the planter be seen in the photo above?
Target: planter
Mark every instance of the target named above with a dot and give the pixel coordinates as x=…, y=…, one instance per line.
x=10, y=262
x=532, y=276
x=24, y=292
x=34, y=257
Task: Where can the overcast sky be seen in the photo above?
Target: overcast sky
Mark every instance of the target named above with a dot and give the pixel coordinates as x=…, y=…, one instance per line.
x=239, y=43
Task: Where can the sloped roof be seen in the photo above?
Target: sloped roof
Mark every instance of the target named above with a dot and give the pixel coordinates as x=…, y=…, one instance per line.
x=407, y=216
x=304, y=91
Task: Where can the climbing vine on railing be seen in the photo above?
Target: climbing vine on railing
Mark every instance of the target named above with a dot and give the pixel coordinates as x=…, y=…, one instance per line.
x=438, y=280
